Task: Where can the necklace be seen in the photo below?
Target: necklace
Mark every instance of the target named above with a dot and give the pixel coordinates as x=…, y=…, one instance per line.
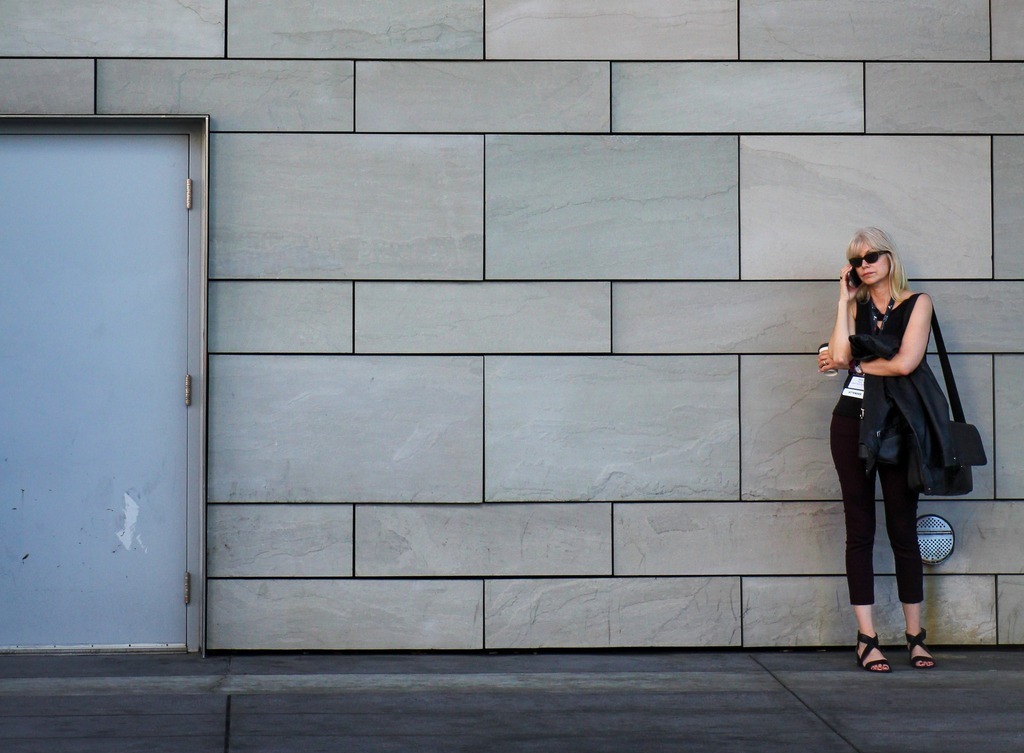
x=877, y=326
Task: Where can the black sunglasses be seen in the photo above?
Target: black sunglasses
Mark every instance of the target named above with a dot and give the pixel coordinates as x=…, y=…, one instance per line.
x=870, y=257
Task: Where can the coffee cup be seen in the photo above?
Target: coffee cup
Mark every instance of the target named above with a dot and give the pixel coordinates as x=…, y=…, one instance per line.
x=831, y=372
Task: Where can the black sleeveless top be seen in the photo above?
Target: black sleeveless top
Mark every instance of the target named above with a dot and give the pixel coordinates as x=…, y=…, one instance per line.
x=895, y=325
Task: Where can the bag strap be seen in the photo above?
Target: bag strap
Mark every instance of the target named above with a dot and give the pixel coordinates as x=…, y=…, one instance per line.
x=947, y=374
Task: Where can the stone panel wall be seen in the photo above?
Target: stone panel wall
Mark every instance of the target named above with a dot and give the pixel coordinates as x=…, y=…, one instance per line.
x=513, y=303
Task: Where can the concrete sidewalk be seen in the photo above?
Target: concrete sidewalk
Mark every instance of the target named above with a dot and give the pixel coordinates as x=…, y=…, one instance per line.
x=813, y=702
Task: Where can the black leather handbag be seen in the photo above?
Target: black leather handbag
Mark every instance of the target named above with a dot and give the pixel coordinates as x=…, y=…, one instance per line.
x=969, y=450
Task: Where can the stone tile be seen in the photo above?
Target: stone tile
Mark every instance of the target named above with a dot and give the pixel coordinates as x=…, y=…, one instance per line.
x=735, y=96
x=345, y=429
x=344, y=615
x=612, y=613
x=944, y=97
x=1008, y=209
x=611, y=428
x=679, y=538
x=543, y=317
x=1009, y=409
x=815, y=611
x=112, y=28
x=279, y=541
x=600, y=207
x=611, y=29
x=786, y=421
x=493, y=540
x=987, y=536
x=762, y=317
x=356, y=29
x=240, y=95
x=346, y=206
x=280, y=317
x=785, y=412
x=864, y=30
x=478, y=97
x=46, y=87
x=1011, y=609
x=978, y=529
x=964, y=309
x=822, y=188
x=958, y=610
x=1007, y=30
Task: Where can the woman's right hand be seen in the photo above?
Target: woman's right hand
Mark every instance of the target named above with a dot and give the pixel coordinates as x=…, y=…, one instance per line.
x=847, y=294
x=839, y=340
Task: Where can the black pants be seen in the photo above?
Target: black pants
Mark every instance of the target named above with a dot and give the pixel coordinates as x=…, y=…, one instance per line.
x=859, y=506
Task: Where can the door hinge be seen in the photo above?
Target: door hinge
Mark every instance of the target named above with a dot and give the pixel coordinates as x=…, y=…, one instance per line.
x=188, y=587
x=188, y=193
x=188, y=390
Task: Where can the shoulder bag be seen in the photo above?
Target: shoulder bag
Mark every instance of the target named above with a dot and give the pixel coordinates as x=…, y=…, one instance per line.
x=969, y=450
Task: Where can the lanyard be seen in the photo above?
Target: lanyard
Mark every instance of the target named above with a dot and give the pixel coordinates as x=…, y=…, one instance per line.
x=877, y=327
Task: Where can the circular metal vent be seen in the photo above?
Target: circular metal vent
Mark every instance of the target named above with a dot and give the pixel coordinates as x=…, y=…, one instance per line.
x=935, y=538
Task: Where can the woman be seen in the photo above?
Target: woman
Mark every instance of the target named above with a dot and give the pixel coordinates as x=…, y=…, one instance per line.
x=874, y=298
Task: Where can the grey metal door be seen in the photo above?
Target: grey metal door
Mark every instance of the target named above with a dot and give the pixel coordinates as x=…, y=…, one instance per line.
x=93, y=356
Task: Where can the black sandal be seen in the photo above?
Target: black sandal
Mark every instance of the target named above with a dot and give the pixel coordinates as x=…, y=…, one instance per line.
x=919, y=662
x=871, y=643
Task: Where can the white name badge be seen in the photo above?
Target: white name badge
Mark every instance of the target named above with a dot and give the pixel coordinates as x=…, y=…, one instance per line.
x=855, y=387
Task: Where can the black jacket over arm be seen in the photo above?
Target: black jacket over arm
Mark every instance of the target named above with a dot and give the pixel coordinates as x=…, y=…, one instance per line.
x=911, y=406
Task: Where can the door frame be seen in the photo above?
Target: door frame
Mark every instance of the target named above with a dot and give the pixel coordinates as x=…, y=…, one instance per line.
x=197, y=128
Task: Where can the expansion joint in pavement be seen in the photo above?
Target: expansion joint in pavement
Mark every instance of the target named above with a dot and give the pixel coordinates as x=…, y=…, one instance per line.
x=806, y=705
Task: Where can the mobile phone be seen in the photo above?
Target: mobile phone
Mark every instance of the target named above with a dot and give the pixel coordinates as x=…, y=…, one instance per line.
x=853, y=279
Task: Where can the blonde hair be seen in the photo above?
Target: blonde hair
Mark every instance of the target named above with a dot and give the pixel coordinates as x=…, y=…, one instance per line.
x=876, y=239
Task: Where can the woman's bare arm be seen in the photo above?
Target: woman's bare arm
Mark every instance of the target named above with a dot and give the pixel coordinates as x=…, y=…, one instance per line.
x=839, y=341
x=913, y=347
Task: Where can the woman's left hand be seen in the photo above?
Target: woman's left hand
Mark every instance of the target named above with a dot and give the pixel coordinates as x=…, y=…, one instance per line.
x=825, y=362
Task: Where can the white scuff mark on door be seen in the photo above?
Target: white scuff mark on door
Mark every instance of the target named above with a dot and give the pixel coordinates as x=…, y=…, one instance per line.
x=131, y=520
